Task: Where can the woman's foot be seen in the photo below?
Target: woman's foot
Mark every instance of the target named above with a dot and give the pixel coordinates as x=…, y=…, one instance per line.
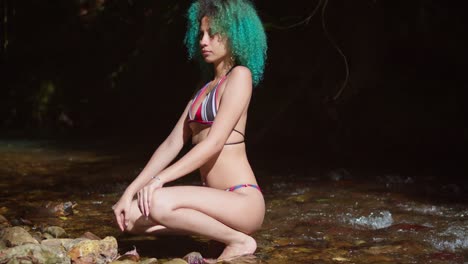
x=245, y=246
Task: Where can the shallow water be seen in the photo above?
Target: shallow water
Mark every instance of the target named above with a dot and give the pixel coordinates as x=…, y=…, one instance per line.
x=334, y=217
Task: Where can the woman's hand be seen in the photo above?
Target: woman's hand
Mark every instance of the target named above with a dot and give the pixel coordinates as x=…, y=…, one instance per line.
x=121, y=211
x=145, y=194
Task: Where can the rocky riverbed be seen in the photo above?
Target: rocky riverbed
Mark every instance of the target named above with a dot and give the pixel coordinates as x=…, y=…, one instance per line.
x=56, y=200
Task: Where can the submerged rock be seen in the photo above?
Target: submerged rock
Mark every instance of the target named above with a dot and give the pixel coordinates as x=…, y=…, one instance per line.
x=50, y=210
x=126, y=261
x=16, y=236
x=34, y=253
x=66, y=243
x=90, y=235
x=149, y=261
x=176, y=261
x=4, y=222
x=131, y=256
x=194, y=258
x=59, y=208
x=55, y=231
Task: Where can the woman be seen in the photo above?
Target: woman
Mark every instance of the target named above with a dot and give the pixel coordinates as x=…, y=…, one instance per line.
x=227, y=38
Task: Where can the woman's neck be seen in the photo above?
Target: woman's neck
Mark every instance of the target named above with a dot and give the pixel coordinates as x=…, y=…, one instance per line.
x=222, y=68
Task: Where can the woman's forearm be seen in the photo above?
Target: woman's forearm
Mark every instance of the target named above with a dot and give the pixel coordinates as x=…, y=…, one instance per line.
x=161, y=158
x=194, y=159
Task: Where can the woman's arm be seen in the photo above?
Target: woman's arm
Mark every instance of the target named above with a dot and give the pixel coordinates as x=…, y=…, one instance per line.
x=234, y=100
x=163, y=155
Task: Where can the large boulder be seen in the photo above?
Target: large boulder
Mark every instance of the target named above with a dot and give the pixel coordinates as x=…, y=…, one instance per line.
x=34, y=253
x=94, y=251
x=16, y=236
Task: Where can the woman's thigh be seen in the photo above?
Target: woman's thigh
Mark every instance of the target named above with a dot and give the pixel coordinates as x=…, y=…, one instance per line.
x=243, y=209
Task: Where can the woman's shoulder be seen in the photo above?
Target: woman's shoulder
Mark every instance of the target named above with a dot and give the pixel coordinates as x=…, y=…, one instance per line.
x=241, y=70
x=240, y=74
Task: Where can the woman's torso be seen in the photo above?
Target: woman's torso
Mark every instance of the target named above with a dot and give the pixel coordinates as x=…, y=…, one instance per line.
x=231, y=166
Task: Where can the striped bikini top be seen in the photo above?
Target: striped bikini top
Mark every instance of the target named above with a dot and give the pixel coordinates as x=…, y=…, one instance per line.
x=206, y=112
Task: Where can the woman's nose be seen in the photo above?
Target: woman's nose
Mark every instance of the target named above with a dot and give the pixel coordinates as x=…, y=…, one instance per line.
x=203, y=41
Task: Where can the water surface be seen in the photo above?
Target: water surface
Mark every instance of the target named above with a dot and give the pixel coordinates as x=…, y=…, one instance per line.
x=337, y=216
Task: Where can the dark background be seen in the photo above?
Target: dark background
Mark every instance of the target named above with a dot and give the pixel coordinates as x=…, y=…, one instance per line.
x=117, y=69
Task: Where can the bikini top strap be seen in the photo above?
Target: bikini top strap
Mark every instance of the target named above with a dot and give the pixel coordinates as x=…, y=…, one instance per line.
x=228, y=72
x=239, y=132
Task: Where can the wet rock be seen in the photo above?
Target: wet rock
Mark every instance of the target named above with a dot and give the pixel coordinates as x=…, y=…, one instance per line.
x=130, y=256
x=94, y=251
x=4, y=223
x=47, y=236
x=25, y=222
x=126, y=261
x=21, y=222
x=15, y=236
x=149, y=261
x=51, y=210
x=300, y=198
x=176, y=261
x=55, y=232
x=378, y=250
x=59, y=208
x=34, y=253
x=277, y=203
x=340, y=259
x=359, y=242
x=37, y=235
x=66, y=243
x=247, y=259
x=91, y=236
x=194, y=258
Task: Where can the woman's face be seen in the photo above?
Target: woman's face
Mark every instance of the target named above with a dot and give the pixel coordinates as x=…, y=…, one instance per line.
x=213, y=46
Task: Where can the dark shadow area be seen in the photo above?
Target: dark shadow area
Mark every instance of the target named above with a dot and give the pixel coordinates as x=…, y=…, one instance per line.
x=170, y=246
x=115, y=73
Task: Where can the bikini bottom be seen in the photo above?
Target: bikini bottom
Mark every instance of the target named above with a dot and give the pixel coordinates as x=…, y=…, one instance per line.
x=235, y=187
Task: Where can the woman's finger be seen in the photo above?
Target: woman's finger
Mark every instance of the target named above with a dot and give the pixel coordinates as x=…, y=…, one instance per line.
x=125, y=219
x=118, y=216
x=147, y=202
x=140, y=202
x=145, y=194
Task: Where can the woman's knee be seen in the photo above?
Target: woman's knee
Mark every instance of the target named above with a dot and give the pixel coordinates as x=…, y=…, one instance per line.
x=160, y=206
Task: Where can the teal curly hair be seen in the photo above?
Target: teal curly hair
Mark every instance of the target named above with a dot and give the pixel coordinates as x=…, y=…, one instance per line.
x=238, y=21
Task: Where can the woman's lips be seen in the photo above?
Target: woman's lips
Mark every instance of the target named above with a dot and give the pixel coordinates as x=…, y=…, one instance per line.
x=205, y=52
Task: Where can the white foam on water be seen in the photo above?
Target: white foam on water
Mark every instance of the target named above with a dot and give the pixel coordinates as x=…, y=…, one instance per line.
x=453, y=238
x=375, y=220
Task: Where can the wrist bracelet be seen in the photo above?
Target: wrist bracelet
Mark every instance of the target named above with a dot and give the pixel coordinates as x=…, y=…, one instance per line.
x=156, y=178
